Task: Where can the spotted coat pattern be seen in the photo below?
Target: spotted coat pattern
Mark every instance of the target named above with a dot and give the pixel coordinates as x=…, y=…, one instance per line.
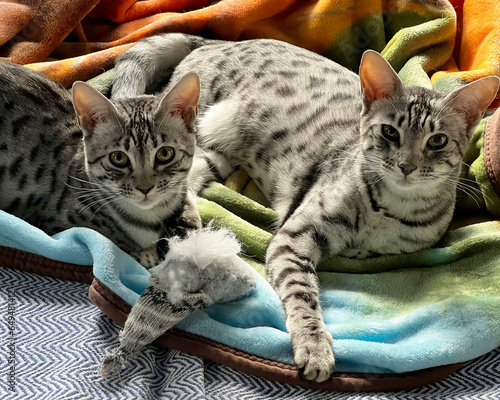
x=347, y=174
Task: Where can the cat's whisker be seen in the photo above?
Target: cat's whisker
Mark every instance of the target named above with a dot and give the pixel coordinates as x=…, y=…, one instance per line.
x=375, y=169
x=96, y=198
x=89, y=190
x=88, y=197
x=339, y=159
x=93, y=203
x=85, y=190
x=83, y=180
x=472, y=181
x=470, y=185
x=108, y=204
x=394, y=107
x=119, y=124
x=375, y=182
x=477, y=192
x=88, y=206
x=472, y=196
x=469, y=195
x=441, y=117
x=471, y=192
x=467, y=165
x=446, y=104
x=173, y=183
x=449, y=193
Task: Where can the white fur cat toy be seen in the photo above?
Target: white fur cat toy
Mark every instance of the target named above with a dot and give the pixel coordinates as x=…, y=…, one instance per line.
x=198, y=271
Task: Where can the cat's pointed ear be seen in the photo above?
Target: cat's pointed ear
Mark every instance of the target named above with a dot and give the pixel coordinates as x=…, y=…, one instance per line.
x=378, y=79
x=473, y=99
x=91, y=107
x=182, y=99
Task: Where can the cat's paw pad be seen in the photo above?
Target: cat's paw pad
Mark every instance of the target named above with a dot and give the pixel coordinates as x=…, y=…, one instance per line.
x=315, y=359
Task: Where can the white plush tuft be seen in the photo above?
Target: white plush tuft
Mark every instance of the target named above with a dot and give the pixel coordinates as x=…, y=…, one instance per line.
x=206, y=261
x=203, y=247
x=198, y=271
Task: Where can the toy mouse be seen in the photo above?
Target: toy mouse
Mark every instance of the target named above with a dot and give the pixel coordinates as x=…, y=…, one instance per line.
x=197, y=271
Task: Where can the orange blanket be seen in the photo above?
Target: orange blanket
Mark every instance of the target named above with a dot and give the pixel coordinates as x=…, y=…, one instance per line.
x=77, y=39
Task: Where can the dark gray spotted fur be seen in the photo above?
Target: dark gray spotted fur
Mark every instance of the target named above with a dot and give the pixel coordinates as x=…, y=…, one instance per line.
x=352, y=167
x=56, y=176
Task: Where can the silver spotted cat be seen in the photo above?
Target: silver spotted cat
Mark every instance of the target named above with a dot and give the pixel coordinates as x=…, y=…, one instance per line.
x=354, y=165
x=117, y=167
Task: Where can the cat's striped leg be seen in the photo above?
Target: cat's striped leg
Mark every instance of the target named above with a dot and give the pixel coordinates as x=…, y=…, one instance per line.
x=291, y=262
x=190, y=218
x=208, y=166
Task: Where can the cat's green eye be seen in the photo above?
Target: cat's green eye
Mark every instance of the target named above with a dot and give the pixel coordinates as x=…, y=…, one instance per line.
x=437, y=142
x=119, y=159
x=165, y=155
x=390, y=133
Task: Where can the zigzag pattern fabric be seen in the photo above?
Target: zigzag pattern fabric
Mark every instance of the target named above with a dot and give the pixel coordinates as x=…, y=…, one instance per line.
x=476, y=381
x=60, y=338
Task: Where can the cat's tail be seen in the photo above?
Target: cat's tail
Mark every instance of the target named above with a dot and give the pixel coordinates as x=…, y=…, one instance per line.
x=150, y=61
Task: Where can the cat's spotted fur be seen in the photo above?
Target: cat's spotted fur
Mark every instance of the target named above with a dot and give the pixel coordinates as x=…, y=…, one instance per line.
x=353, y=165
x=112, y=174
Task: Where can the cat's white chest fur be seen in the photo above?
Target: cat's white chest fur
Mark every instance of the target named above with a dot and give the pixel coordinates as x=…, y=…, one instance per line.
x=147, y=238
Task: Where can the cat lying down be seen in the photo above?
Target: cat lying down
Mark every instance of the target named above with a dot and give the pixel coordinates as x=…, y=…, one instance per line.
x=354, y=165
x=81, y=160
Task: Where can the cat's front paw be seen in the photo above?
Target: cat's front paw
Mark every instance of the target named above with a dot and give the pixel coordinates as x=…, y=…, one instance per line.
x=188, y=221
x=357, y=253
x=314, y=356
x=190, y=218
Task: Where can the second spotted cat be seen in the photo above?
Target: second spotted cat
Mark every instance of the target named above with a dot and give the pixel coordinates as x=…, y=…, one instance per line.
x=119, y=167
x=354, y=165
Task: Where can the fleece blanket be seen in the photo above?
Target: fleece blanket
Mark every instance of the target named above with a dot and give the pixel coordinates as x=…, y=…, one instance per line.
x=388, y=314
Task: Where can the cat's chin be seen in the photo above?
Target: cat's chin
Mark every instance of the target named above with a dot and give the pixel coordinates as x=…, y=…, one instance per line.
x=412, y=189
x=406, y=186
x=145, y=204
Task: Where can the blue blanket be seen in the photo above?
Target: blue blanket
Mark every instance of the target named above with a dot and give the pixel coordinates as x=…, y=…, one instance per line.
x=442, y=308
